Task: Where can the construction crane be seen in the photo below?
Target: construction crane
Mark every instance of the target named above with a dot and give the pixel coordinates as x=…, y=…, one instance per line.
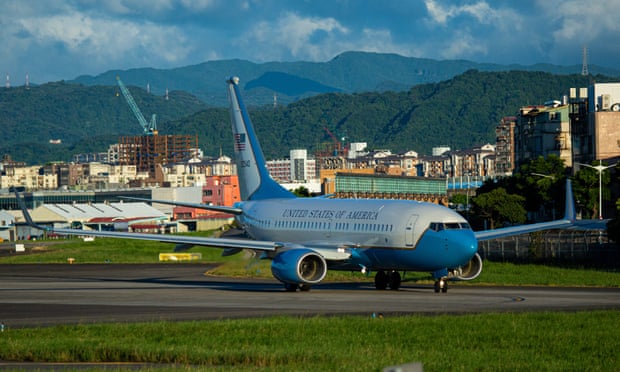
x=150, y=129
x=339, y=148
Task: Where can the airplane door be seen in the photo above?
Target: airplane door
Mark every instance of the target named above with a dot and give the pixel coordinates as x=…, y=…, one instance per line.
x=409, y=230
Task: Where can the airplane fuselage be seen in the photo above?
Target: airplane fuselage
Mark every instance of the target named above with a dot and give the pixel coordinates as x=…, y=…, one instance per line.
x=387, y=234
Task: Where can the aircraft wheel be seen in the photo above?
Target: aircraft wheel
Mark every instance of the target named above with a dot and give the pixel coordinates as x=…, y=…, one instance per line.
x=381, y=280
x=444, y=289
x=394, y=280
x=304, y=287
x=441, y=285
x=290, y=287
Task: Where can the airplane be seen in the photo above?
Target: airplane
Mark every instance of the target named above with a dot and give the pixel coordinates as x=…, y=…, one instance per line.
x=306, y=237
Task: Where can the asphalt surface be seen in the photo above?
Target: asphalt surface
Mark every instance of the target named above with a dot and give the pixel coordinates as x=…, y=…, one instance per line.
x=41, y=295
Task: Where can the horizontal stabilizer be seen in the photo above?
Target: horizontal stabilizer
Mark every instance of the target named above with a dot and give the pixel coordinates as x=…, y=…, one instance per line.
x=215, y=208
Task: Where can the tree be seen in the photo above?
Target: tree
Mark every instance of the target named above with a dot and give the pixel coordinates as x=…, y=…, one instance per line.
x=302, y=192
x=500, y=207
x=541, y=181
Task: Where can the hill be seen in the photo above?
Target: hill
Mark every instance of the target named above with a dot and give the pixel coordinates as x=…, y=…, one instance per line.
x=350, y=72
x=460, y=112
x=84, y=119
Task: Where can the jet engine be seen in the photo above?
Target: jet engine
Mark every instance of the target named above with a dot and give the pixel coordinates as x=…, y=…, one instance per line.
x=469, y=271
x=299, y=266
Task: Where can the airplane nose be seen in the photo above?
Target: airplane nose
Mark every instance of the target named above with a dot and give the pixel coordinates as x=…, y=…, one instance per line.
x=465, y=246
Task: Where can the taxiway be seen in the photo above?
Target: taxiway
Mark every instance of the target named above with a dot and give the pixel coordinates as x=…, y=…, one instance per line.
x=41, y=295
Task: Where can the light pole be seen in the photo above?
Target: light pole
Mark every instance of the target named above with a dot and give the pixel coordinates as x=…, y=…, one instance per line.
x=600, y=168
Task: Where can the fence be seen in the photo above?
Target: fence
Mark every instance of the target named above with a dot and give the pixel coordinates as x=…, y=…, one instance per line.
x=576, y=246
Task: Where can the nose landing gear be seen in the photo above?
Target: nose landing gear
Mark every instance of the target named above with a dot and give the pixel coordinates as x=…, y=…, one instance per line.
x=441, y=285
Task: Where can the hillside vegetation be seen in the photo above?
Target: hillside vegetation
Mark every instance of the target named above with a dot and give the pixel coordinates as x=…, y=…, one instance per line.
x=85, y=119
x=460, y=112
x=349, y=72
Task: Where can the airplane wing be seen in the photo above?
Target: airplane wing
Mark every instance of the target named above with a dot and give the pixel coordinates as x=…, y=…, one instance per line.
x=182, y=242
x=177, y=239
x=522, y=229
x=569, y=221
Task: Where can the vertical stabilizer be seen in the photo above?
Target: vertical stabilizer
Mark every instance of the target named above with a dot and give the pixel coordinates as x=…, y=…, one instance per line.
x=254, y=180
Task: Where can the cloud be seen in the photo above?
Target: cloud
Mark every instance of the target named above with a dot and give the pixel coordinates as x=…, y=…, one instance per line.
x=56, y=39
x=107, y=40
x=295, y=36
x=481, y=11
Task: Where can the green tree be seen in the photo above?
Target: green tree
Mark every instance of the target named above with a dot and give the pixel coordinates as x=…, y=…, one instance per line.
x=302, y=192
x=500, y=207
x=542, y=181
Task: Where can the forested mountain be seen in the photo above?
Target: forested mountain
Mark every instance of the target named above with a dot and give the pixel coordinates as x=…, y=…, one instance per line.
x=460, y=112
x=84, y=119
x=350, y=72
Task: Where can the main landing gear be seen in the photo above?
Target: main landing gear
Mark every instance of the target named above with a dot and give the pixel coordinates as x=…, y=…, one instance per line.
x=294, y=287
x=441, y=285
x=383, y=280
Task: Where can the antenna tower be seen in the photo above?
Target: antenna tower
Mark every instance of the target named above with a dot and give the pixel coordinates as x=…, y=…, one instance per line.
x=584, y=63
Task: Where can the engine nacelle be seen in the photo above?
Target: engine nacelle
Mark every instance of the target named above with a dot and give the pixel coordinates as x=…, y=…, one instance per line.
x=470, y=270
x=299, y=266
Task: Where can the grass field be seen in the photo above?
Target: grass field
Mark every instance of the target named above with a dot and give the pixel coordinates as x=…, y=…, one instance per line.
x=484, y=342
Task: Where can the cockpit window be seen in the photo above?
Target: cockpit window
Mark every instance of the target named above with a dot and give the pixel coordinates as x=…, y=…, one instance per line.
x=436, y=226
x=439, y=226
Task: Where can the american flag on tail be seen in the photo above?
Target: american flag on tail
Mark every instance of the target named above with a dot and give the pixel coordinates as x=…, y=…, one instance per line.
x=239, y=141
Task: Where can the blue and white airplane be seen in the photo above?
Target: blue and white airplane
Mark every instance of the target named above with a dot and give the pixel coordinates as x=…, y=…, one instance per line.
x=305, y=237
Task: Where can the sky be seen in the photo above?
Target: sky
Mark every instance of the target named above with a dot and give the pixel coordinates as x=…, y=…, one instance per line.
x=52, y=40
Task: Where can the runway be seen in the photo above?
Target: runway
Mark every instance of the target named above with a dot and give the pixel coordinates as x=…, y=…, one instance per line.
x=41, y=295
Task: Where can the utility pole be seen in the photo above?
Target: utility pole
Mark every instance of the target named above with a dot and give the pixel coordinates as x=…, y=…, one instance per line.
x=599, y=168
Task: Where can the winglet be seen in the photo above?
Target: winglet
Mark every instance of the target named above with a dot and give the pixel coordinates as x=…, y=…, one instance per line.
x=569, y=207
x=27, y=217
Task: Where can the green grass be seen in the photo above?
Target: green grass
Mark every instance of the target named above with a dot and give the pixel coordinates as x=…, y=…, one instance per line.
x=483, y=342
x=107, y=250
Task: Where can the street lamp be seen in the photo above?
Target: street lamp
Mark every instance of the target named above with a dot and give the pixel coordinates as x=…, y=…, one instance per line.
x=600, y=168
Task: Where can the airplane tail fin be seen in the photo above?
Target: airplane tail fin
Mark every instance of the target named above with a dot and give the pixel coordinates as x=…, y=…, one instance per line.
x=569, y=207
x=254, y=180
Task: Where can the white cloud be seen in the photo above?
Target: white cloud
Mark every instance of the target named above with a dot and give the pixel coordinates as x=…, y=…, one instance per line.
x=198, y=5
x=462, y=46
x=64, y=38
x=481, y=11
x=293, y=35
x=108, y=41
